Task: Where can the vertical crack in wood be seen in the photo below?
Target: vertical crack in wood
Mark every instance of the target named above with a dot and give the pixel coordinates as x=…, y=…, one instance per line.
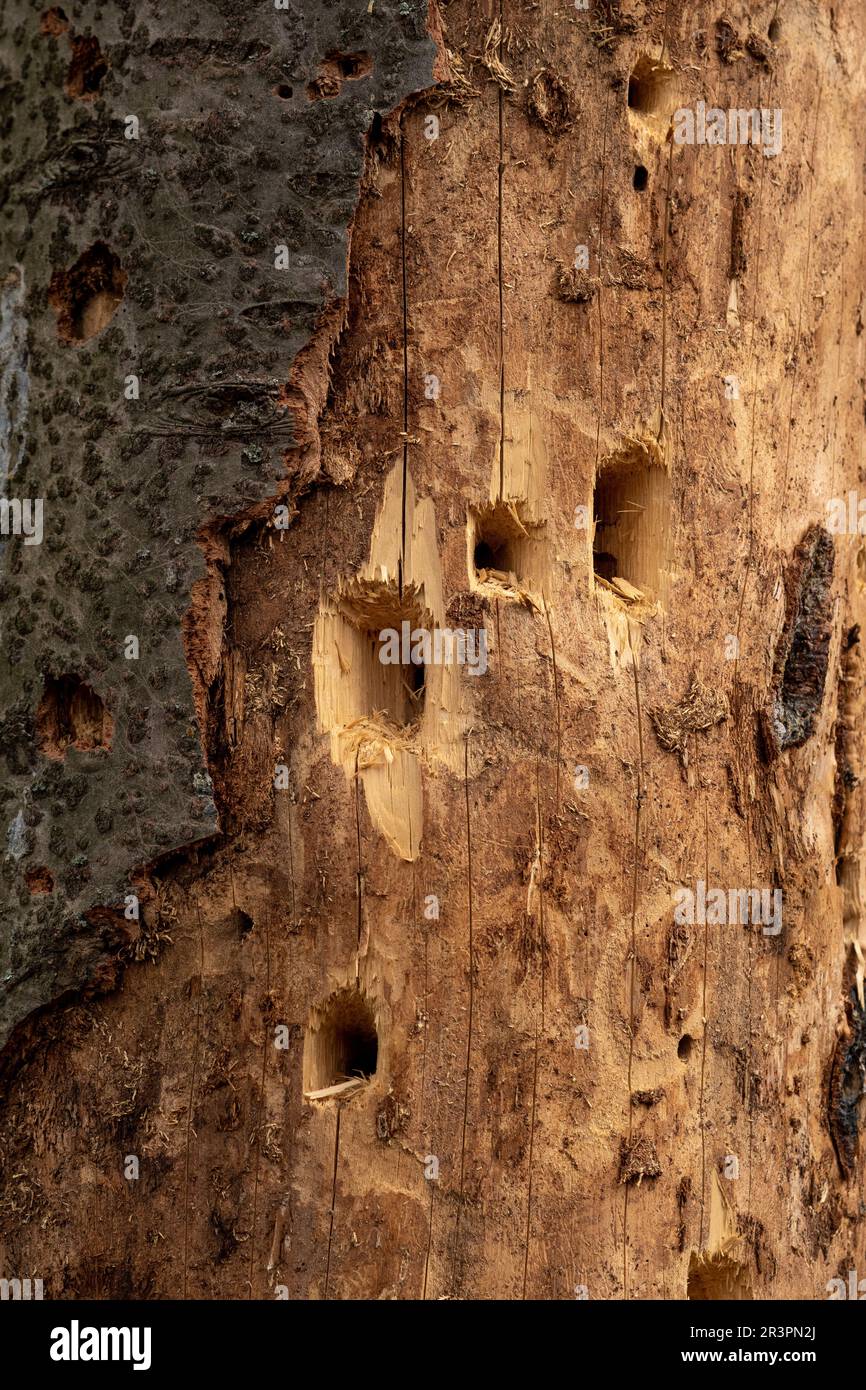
x=471, y=1000
x=333, y=1201
x=193, y=1080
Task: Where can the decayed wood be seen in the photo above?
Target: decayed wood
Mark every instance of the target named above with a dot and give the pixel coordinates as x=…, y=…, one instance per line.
x=576, y=1091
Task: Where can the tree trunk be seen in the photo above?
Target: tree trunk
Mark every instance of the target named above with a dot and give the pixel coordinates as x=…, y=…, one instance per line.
x=527, y=963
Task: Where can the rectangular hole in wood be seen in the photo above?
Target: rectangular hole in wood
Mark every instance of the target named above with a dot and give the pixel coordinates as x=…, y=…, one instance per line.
x=631, y=513
x=342, y=1041
x=718, y=1277
x=503, y=549
x=383, y=660
x=70, y=714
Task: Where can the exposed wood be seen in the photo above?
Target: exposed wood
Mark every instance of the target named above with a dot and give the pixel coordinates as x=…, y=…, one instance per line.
x=531, y=973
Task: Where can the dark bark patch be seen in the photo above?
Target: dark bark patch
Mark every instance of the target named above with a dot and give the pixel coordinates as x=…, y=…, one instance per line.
x=648, y=1097
x=847, y=1085
x=759, y=50
x=731, y=48
x=391, y=1118
x=98, y=1277
x=684, y=1192
x=88, y=64
x=54, y=22
x=87, y=68
x=39, y=880
x=243, y=923
x=803, y=652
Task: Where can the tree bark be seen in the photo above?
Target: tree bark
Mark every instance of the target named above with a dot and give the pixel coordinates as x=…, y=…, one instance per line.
x=325, y=326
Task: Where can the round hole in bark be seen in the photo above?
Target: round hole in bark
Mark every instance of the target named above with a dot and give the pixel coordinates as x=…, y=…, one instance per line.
x=284, y=91
x=684, y=1047
x=335, y=69
x=640, y=177
x=353, y=64
x=342, y=1041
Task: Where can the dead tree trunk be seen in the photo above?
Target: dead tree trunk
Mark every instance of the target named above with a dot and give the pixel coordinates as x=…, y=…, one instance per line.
x=527, y=963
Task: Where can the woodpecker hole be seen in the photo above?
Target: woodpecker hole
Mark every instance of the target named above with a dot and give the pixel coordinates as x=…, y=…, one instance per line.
x=334, y=70
x=71, y=715
x=86, y=296
x=718, y=1277
x=631, y=513
x=341, y=1042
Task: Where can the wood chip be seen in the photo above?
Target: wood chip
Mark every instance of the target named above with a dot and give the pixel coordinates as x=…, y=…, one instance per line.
x=341, y=1090
x=626, y=590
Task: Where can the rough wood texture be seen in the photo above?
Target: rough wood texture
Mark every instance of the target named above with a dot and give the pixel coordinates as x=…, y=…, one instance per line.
x=619, y=466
